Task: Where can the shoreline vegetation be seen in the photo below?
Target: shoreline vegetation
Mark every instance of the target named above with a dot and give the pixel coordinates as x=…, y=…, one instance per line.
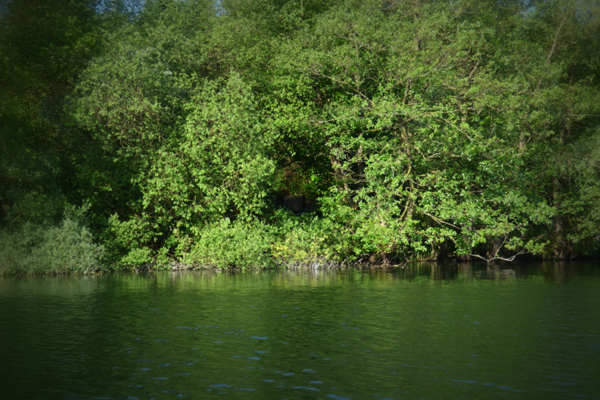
x=177, y=268
x=281, y=133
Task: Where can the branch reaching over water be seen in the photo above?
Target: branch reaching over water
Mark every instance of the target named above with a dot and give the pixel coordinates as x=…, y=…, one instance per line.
x=489, y=260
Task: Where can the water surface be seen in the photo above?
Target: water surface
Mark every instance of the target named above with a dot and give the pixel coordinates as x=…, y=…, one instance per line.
x=514, y=331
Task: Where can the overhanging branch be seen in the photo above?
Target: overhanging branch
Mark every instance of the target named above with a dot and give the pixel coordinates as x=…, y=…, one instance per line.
x=489, y=260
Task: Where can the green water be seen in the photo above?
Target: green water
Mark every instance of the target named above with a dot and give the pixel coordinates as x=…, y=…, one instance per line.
x=468, y=332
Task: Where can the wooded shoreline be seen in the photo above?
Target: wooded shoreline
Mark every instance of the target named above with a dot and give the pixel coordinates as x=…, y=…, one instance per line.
x=256, y=134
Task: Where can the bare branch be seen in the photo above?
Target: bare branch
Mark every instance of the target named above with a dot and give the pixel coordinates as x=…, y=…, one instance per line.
x=439, y=221
x=489, y=260
x=473, y=70
x=554, y=45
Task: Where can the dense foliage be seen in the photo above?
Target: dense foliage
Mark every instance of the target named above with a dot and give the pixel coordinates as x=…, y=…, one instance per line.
x=176, y=130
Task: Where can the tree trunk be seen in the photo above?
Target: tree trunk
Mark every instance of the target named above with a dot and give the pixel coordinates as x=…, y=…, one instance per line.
x=561, y=248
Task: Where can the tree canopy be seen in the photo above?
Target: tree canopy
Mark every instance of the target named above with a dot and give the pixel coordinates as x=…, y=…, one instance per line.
x=410, y=129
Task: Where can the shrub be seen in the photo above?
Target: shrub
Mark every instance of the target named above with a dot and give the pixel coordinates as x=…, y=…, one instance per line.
x=227, y=244
x=303, y=242
x=67, y=247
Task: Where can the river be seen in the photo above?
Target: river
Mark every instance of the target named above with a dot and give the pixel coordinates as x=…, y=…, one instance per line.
x=514, y=331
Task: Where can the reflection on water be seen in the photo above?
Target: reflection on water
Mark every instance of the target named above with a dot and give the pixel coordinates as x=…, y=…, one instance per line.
x=452, y=331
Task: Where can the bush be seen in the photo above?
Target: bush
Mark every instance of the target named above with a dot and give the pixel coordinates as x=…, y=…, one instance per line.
x=303, y=242
x=227, y=244
x=67, y=247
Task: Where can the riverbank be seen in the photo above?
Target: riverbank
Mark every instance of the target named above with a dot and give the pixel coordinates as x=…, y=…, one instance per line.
x=178, y=267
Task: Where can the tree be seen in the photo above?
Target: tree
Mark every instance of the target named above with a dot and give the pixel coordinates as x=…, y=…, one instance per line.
x=425, y=129
x=44, y=47
x=38, y=69
x=181, y=131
